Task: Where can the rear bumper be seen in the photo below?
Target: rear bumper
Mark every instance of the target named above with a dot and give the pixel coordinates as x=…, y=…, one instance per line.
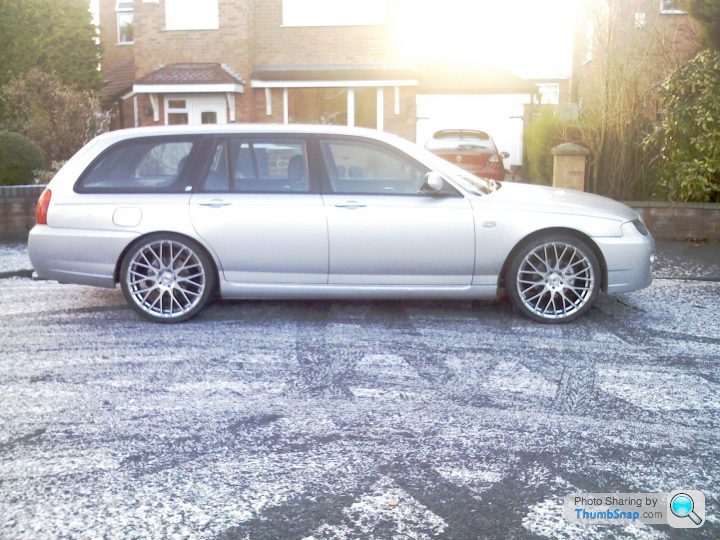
x=77, y=256
x=629, y=261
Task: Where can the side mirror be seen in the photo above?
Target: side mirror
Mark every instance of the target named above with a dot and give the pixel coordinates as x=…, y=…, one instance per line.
x=505, y=155
x=433, y=184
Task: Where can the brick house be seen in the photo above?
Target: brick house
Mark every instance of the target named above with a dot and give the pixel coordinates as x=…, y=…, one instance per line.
x=186, y=61
x=310, y=61
x=642, y=41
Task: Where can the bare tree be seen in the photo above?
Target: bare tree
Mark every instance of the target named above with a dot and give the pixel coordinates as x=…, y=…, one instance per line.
x=630, y=53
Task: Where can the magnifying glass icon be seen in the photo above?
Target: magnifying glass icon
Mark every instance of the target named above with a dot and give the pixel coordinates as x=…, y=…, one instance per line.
x=682, y=506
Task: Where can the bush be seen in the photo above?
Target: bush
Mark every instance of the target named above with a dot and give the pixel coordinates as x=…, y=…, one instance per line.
x=19, y=158
x=686, y=143
x=544, y=132
x=60, y=118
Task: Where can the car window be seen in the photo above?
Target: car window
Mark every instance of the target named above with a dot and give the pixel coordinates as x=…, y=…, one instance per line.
x=460, y=138
x=144, y=165
x=362, y=168
x=244, y=166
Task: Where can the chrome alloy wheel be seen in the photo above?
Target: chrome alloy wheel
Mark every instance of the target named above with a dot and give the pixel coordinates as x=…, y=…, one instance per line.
x=165, y=278
x=555, y=280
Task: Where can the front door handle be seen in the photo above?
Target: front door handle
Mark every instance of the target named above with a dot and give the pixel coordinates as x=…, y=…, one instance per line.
x=351, y=204
x=215, y=203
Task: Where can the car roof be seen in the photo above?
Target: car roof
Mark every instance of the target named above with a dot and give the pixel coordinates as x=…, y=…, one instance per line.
x=224, y=129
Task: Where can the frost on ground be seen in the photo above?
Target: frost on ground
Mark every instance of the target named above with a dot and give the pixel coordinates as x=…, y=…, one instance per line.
x=350, y=419
x=13, y=257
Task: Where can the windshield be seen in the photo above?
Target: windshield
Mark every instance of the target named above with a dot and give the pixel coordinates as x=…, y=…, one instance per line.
x=469, y=182
x=458, y=176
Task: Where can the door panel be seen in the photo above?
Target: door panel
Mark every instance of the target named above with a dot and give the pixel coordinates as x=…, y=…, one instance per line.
x=397, y=240
x=257, y=211
x=382, y=230
x=267, y=238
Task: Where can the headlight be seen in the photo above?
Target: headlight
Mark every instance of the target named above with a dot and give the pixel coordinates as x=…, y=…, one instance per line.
x=640, y=226
x=634, y=228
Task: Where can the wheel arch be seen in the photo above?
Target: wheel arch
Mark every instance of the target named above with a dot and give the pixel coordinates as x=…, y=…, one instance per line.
x=564, y=230
x=207, y=252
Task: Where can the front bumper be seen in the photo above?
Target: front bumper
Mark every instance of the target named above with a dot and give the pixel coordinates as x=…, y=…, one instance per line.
x=629, y=261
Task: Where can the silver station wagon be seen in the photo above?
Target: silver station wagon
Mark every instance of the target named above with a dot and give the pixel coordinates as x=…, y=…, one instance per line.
x=178, y=215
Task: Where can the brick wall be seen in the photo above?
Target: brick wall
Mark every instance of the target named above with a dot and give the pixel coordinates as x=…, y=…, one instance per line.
x=17, y=210
x=230, y=44
x=276, y=44
x=674, y=221
x=112, y=53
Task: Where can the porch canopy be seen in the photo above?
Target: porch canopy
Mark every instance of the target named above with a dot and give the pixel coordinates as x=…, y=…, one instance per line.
x=190, y=78
x=348, y=94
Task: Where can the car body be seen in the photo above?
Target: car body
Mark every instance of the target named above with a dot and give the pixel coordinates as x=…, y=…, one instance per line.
x=178, y=214
x=471, y=149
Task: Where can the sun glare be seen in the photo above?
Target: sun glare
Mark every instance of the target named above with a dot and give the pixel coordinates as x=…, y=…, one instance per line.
x=528, y=37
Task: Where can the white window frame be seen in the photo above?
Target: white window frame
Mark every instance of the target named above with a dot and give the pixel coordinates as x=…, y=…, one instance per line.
x=306, y=13
x=379, y=102
x=123, y=10
x=670, y=11
x=207, y=16
x=545, y=90
x=183, y=110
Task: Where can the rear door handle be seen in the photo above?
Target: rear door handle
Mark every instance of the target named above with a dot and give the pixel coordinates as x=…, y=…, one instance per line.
x=215, y=203
x=351, y=204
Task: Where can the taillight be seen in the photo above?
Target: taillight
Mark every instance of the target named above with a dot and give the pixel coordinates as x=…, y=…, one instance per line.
x=41, y=211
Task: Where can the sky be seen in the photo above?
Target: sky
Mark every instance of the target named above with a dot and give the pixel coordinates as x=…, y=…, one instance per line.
x=531, y=38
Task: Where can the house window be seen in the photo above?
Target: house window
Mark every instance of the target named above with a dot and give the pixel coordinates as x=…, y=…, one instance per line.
x=191, y=15
x=549, y=93
x=333, y=12
x=177, y=112
x=208, y=117
x=671, y=7
x=124, y=14
x=318, y=106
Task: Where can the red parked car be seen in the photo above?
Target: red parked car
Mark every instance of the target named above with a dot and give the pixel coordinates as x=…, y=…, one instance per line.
x=471, y=149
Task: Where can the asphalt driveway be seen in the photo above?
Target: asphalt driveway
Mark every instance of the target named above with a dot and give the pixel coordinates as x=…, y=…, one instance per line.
x=364, y=420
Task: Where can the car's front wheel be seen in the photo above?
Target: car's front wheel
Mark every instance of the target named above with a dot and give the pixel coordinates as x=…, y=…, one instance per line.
x=553, y=278
x=167, y=278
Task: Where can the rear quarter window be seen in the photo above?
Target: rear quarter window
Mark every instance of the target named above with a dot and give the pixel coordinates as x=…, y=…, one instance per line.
x=147, y=165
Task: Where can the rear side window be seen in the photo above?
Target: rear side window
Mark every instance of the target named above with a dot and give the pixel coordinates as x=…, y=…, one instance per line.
x=143, y=165
x=256, y=166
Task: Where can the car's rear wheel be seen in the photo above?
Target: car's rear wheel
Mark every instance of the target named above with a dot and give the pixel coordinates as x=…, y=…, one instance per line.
x=554, y=278
x=167, y=278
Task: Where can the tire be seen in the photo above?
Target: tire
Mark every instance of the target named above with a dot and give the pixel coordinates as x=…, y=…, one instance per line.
x=167, y=278
x=553, y=278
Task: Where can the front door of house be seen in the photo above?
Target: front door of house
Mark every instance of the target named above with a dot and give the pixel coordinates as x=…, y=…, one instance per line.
x=195, y=110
